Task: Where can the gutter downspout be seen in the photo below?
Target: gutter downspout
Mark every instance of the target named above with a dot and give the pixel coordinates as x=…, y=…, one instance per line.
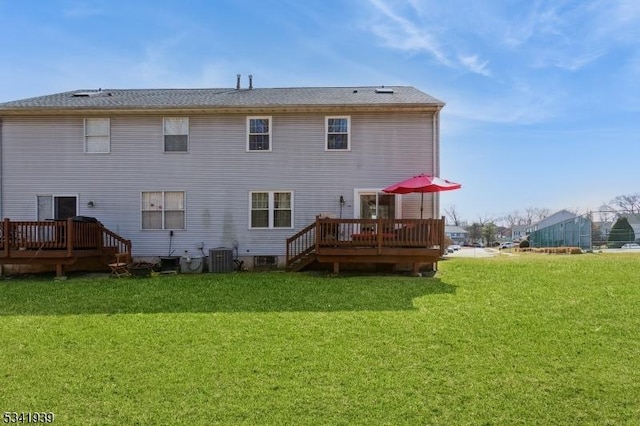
x=1, y=191
x=436, y=160
x=1, y=173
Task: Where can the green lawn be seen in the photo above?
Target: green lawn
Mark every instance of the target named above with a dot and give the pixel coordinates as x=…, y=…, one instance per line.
x=538, y=339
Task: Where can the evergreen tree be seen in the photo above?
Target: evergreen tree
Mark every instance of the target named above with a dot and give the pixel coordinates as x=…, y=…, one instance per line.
x=621, y=233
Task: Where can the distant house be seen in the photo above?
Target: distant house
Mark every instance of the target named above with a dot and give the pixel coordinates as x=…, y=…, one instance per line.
x=186, y=170
x=557, y=217
x=562, y=228
x=518, y=232
x=457, y=234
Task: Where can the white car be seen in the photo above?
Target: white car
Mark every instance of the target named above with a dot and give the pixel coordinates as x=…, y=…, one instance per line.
x=506, y=245
x=631, y=246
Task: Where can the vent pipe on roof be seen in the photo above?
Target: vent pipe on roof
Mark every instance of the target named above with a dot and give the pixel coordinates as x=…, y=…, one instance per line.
x=250, y=81
x=238, y=82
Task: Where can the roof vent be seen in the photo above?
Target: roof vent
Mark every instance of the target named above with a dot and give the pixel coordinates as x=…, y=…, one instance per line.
x=87, y=93
x=384, y=90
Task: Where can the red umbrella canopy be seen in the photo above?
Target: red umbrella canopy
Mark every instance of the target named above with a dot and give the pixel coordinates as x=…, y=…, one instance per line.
x=422, y=183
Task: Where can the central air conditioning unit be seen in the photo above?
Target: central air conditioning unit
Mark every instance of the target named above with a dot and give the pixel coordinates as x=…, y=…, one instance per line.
x=221, y=260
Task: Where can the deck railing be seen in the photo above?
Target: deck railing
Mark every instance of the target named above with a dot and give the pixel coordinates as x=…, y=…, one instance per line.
x=366, y=233
x=67, y=235
x=395, y=233
x=301, y=244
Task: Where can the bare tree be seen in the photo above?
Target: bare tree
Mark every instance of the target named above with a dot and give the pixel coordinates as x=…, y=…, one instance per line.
x=606, y=213
x=453, y=216
x=535, y=214
x=627, y=203
x=483, y=220
x=542, y=213
x=514, y=219
x=530, y=215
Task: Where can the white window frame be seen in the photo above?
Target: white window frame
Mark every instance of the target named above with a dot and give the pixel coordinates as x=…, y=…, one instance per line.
x=326, y=133
x=165, y=134
x=88, y=137
x=163, y=211
x=377, y=191
x=52, y=213
x=271, y=208
x=269, y=133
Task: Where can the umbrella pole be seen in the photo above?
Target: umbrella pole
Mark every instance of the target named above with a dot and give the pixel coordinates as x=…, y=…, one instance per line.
x=421, y=204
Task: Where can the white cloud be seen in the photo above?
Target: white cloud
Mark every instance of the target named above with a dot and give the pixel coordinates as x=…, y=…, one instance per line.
x=82, y=10
x=413, y=32
x=474, y=64
x=516, y=105
x=400, y=33
x=574, y=63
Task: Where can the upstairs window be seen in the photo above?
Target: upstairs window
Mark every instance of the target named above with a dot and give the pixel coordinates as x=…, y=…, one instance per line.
x=258, y=133
x=338, y=129
x=97, y=135
x=163, y=210
x=271, y=209
x=176, y=134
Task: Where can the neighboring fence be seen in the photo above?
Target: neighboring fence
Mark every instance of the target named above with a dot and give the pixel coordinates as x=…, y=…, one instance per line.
x=574, y=232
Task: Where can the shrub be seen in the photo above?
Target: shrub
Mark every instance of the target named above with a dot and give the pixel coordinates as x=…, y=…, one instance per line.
x=524, y=244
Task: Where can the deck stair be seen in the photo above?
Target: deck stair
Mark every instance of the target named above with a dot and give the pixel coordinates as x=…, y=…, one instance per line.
x=301, y=249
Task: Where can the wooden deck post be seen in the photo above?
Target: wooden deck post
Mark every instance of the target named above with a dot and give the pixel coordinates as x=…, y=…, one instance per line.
x=70, y=237
x=318, y=234
x=379, y=232
x=59, y=270
x=100, y=237
x=287, y=258
x=6, y=234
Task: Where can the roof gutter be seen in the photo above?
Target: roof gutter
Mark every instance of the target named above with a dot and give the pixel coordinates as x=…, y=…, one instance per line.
x=220, y=110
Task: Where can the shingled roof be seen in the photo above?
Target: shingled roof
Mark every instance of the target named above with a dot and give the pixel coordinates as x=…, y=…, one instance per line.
x=225, y=98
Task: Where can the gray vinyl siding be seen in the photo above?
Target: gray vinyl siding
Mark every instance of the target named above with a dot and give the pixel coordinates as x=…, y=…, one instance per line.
x=45, y=155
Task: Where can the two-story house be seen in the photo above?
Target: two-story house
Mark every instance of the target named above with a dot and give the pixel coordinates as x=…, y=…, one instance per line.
x=457, y=234
x=555, y=218
x=177, y=170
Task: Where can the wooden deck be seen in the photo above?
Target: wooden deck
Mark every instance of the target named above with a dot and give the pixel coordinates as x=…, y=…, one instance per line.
x=59, y=243
x=395, y=241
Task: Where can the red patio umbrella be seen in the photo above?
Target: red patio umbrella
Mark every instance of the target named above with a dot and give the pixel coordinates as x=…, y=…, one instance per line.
x=422, y=183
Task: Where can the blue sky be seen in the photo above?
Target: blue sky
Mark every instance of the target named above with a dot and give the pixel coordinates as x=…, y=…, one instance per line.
x=543, y=97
